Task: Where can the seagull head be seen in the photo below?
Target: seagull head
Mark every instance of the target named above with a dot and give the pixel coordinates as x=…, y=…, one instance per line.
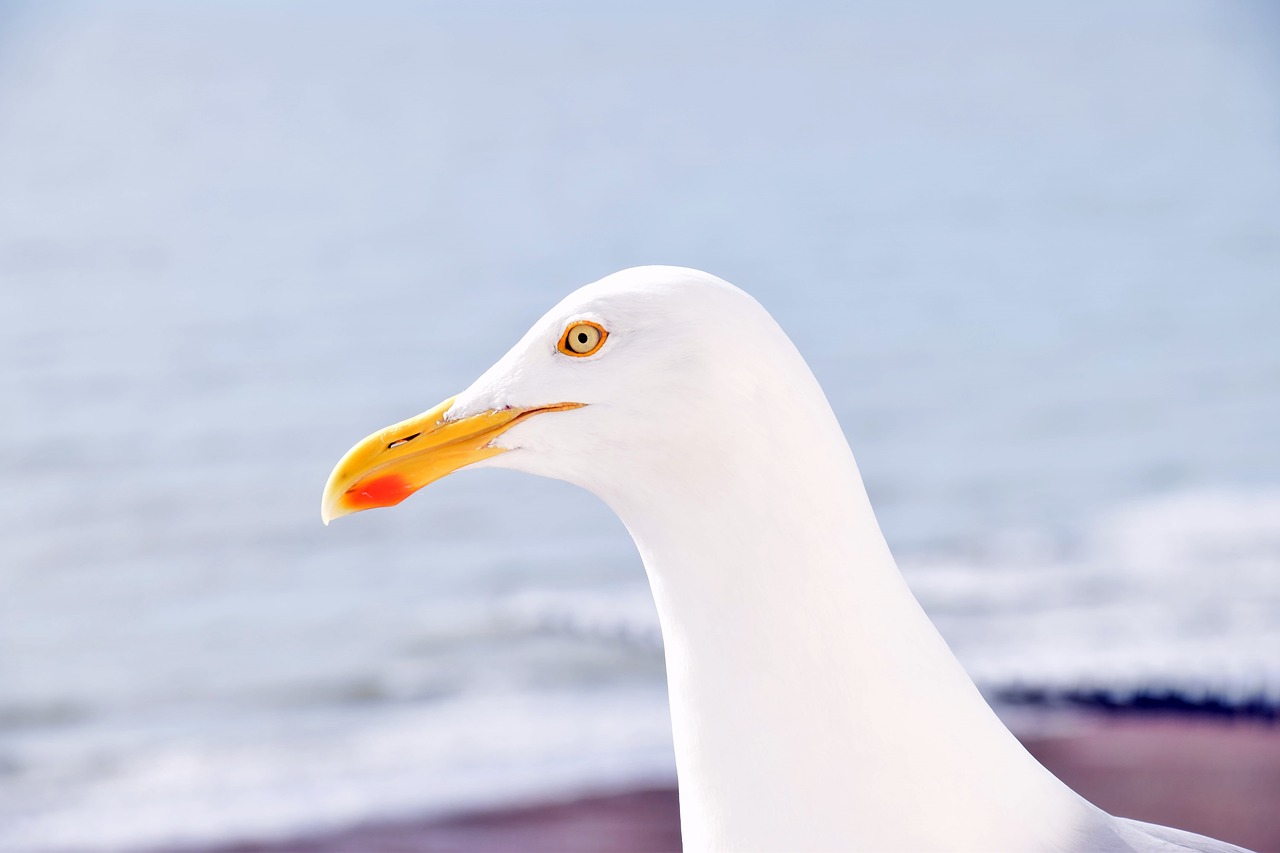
x=637, y=373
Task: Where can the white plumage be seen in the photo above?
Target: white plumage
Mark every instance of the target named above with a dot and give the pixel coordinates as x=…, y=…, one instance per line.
x=814, y=705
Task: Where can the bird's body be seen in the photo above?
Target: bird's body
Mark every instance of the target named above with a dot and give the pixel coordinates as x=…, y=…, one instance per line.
x=814, y=706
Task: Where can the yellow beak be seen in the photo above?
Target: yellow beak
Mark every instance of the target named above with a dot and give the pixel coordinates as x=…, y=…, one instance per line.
x=395, y=462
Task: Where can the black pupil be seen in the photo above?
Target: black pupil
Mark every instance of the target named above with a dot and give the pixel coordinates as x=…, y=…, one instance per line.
x=582, y=337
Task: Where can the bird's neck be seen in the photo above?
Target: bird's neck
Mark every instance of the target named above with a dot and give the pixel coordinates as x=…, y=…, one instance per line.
x=814, y=705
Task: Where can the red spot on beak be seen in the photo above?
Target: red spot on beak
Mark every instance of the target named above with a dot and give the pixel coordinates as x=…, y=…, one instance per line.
x=387, y=490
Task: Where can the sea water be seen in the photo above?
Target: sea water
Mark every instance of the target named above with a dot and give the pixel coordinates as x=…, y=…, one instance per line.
x=1033, y=255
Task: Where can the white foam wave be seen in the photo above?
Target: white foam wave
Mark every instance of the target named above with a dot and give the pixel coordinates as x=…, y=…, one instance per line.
x=1180, y=591
x=272, y=778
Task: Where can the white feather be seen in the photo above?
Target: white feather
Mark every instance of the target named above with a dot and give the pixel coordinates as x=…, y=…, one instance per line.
x=814, y=705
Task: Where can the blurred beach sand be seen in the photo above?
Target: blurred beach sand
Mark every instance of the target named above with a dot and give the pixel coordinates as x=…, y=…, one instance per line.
x=1219, y=778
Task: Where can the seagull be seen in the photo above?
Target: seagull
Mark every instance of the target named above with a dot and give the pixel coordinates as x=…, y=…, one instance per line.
x=814, y=706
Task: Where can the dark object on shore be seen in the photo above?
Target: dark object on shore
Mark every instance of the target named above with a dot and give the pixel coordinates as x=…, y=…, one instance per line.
x=1144, y=702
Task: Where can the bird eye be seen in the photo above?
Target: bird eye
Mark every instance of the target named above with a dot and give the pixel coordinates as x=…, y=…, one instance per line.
x=582, y=339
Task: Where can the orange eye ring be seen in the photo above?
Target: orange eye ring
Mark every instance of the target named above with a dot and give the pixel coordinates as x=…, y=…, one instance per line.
x=582, y=338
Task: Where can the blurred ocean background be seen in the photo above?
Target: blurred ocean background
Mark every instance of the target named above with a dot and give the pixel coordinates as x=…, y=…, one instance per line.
x=1032, y=252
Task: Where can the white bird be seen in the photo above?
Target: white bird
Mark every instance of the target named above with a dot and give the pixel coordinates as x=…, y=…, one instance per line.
x=813, y=704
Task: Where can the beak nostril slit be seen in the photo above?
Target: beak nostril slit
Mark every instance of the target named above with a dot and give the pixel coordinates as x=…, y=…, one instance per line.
x=400, y=441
